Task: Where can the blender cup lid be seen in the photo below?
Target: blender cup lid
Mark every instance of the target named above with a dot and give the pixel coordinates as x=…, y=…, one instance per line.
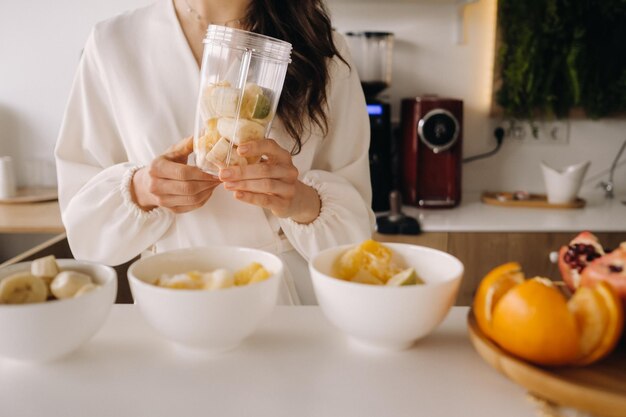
x=260, y=45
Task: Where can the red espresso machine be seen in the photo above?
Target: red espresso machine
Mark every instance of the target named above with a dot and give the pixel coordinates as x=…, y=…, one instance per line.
x=432, y=133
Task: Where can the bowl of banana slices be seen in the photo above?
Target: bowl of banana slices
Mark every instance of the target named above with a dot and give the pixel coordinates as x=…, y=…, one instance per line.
x=206, y=300
x=50, y=307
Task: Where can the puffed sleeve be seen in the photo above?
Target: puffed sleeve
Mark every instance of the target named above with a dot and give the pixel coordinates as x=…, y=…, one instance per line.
x=101, y=220
x=340, y=171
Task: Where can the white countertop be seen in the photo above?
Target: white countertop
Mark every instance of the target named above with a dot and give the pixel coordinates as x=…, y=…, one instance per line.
x=598, y=215
x=295, y=365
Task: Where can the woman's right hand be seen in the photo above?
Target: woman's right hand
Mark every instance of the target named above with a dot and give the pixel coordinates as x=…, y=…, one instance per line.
x=169, y=182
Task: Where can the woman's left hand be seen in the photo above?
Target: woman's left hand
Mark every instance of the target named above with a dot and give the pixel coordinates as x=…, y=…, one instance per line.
x=272, y=183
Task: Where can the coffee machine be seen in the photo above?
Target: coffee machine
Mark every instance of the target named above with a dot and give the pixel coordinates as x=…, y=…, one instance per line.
x=372, y=56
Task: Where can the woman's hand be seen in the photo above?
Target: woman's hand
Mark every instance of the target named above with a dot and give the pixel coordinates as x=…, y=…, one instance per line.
x=169, y=182
x=272, y=183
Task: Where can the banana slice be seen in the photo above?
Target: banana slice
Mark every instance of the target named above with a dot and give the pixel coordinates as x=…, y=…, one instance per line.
x=22, y=288
x=67, y=283
x=219, y=153
x=45, y=267
x=240, y=131
x=186, y=281
x=224, y=101
x=203, y=145
x=210, y=137
x=85, y=289
x=206, y=100
x=220, y=278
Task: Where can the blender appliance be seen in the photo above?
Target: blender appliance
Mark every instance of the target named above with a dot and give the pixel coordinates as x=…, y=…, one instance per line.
x=372, y=56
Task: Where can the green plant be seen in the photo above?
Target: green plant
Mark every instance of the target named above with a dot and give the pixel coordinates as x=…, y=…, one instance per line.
x=556, y=55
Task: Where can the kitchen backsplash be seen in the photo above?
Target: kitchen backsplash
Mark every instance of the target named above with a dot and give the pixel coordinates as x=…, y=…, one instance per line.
x=36, y=74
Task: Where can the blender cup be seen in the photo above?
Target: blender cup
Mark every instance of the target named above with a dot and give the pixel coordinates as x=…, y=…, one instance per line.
x=242, y=76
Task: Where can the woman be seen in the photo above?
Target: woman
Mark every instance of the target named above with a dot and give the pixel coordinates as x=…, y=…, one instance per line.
x=124, y=185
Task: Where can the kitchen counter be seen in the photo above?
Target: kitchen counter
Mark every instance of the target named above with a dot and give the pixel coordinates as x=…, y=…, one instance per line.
x=296, y=364
x=31, y=218
x=598, y=215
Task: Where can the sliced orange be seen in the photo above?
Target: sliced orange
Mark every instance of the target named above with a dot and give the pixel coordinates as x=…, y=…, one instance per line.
x=600, y=319
x=349, y=263
x=245, y=275
x=369, y=257
x=532, y=321
x=493, y=286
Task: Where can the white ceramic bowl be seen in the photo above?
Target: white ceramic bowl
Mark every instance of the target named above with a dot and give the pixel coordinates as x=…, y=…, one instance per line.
x=391, y=318
x=210, y=321
x=46, y=331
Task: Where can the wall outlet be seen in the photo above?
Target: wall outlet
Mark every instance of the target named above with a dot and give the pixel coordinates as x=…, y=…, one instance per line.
x=540, y=132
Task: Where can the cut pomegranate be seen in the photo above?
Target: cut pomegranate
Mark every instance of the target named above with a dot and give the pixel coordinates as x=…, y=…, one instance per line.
x=573, y=259
x=609, y=268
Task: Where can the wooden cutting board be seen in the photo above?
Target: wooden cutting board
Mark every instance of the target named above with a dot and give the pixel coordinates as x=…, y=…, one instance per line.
x=507, y=199
x=599, y=389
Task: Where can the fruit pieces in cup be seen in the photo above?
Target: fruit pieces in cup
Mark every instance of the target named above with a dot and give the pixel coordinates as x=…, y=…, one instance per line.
x=225, y=127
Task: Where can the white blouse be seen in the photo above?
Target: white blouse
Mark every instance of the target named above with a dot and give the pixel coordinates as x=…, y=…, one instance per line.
x=134, y=95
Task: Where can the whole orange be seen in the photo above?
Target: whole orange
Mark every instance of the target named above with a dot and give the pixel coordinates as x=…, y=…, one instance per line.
x=532, y=320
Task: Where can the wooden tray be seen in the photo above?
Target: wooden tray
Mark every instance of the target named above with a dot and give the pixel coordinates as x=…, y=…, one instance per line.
x=31, y=195
x=506, y=199
x=599, y=389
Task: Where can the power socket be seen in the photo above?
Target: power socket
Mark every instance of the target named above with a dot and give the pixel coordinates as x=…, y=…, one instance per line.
x=540, y=132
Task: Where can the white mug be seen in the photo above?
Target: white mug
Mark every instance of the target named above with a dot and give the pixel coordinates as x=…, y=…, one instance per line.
x=562, y=185
x=7, y=177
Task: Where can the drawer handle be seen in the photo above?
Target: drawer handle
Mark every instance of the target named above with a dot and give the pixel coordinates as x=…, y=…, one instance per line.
x=554, y=257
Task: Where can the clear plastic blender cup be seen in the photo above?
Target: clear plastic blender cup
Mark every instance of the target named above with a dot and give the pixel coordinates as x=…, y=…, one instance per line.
x=242, y=76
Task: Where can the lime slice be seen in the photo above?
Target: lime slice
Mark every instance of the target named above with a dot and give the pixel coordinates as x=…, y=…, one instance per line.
x=405, y=277
x=256, y=102
x=261, y=107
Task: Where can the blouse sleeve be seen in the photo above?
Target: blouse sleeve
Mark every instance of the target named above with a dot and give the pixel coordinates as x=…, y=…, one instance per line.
x=340, y=171
x=101, y=220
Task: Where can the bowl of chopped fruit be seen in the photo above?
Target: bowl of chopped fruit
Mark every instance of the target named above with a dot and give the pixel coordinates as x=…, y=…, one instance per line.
x=206, y=299
x=385, y=295
x=50, y=307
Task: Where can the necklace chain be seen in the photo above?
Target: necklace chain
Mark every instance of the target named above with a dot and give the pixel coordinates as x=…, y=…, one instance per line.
x=201, y=18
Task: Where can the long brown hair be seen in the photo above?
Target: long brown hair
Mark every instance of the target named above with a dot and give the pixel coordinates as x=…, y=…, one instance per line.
x=306, y=25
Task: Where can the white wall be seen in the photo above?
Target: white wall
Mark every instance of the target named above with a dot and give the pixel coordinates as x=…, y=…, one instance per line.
x=41, y=41
x=40, y=44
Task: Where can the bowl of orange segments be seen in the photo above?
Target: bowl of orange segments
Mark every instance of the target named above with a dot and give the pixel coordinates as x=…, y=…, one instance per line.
x=562, y=347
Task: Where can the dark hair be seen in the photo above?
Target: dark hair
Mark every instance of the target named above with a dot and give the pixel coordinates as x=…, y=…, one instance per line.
x=306, y=25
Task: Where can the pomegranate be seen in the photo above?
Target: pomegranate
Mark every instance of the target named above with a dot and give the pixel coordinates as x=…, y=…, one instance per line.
x=575, y=257
x=610, y=268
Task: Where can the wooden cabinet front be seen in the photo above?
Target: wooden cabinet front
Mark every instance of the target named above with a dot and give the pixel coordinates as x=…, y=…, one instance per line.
x=482, y=251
